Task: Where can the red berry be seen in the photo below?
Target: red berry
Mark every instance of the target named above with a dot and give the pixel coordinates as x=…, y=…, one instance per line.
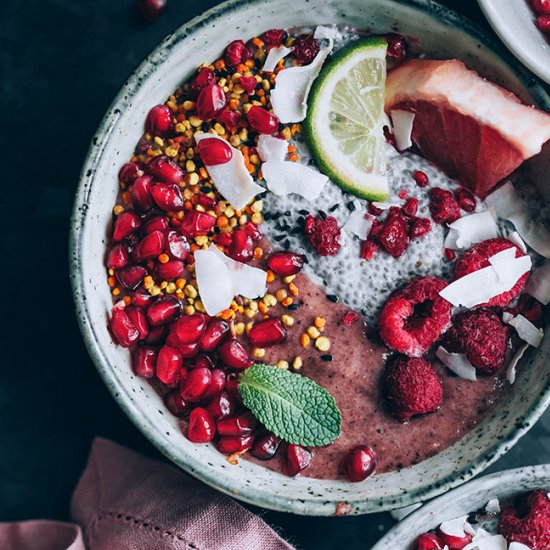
x=189, y=328
x=262, y=120
x=150, y=246
x=368, y=249
x=360, y=463
x=196, y=384
x=125, y=224
x=394, y=236
x=242, y=246
x=543, y=23
x=350, y=317
x=253, y=230
x=165, y=170
x=266, y=447
x=420, y=178
x=118, y=256
x=129, y=172
x=419, y=227
x=402, y=193
x=323, y=234
x=285, y=264
x=465, y=199
x=541, y=7
x=268, y=332
x=175, y=403
x=443, y=206
x=230, y=119
x=233, y=354
x=170, y=270
x=139, y=320
x=202, y=80
x=144, y=359
x=216, y=331
x=411, y=206
x=297, y=459
x=306, y=48
x=449, y=254
x=244, y=424
x=248, y=83
x=195, y=224
x=211, y=102
x=229, y=445
x=429, y=541
x=236, y=53
x=222, y=405
x=178, y=246
x=214, y=151
x=202, y=428
x=397, y=47
x=163, y=311
x=131, y=277
x=169, y=363
x=122, y=328
x=159, y=120
x=274, y=37
x=167, y=197
x=150, y=10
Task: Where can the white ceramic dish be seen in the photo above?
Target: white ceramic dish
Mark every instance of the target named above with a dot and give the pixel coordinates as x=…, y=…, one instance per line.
x=514, y=22
x=441, y=34
x=470, y=497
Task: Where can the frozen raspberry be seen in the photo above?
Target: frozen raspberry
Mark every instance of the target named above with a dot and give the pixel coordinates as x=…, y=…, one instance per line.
x=443, y=206
x=306, y=48
x=478, y=257
x=530, y=308
x=324, y=234
x=394, y=236
x=481, y=335
x=412, y=387
x=415, y=316
x=274, y=37
x=528, y=522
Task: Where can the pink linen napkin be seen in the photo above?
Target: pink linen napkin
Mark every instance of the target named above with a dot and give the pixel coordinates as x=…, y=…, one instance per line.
x=125, y=501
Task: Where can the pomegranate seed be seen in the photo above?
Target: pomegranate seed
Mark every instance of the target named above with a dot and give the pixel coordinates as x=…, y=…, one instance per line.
x=142, y=298
x=123, y=330
x=274, y=37
x=242, y=246
x=213, y=336
x=262, y=120
x=360, y=463
x=306, y=48
x=543, y=23
x=131, y=277
x=267, y=333
x=223, y=239
x=419, y=227
x=141, y=193
x=156, y=334
x=232, y=387
x=237, y=425
x=420, y=178
x=368, y=249
x=402, y=194
x=195, y=385
x=139, y=320
x=542, y=7
x=248, y=83
x=150, y=246
x=297, y=459
x=211, y=102
x=285, y=263
x=429, y=541
x=202, y=360
x=449, y=254
x=465, y=199
x=150, y=10
x=214, y=151
x=156, y=223
x=190, y=328
x=217, y=384
x=178, y=246
x=167, y=197
x=230, y=119
x=443, y=206
x=229, y=445
x=163, y=311
x=170, y=270
x=253, y=230
x=202, y=428
x=236, y=53
x=169, y=363
x=202, y=80
x=118, y=256
x=233, y=354
x=410, y=208
x=349, y=318
x=195, y=224
x=455, y=543
x=143, y=361
x=266, y=447
x=175, y=403
x=222, y=405
x=397, y=47
x=187, y=350
x=126, y=223
x=165, y=170
x=159, y=120
x=206, y=201
x=129, y=172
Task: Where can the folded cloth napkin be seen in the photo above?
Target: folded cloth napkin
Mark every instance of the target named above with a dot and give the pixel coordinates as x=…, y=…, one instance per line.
x=124, y=501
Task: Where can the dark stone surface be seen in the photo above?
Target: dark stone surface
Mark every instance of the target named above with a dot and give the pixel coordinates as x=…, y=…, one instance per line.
x=61, y=63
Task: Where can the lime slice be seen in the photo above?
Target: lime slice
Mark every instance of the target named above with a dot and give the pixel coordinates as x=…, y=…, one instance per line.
x=345, y=119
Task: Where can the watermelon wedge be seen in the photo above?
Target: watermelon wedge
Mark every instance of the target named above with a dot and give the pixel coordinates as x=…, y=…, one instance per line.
x=473, y=129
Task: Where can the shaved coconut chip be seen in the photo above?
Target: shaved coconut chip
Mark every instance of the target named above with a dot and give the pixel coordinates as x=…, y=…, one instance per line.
x=401, y=513
x=292, y=85
x=232, y=179
x=325, y=32
x=511, y=368
x=514, y=237
x=402, y=128
x=454, y=527
x=480, y=286
x=518, y=546
x=492, y=542
x=526, y=330
x=457, y=363
x=359, y=224
x=274, y=56
x=382, y=205
x=470, y=230
x=285, y=177
x=480, y=533
x=271, y=148
x=538, y=285
x=469, y=529
x=493, y=506
x=506, y=204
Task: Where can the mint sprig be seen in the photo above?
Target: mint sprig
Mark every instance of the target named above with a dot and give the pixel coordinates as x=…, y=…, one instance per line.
x=292, y=406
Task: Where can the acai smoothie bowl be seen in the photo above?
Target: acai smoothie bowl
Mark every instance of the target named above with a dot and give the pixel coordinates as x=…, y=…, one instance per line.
x=310, y=253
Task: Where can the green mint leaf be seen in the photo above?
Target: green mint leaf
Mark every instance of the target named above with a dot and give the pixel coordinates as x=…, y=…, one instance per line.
x=292, y=406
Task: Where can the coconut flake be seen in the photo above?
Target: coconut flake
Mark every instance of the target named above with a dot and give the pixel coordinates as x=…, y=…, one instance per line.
x=538, y=284
x=401, y=513
x=480, y=286
x=506, y=204
x=274, y=56
x=285, y=177
x=526, y=330
x=359, y=223
x=518, y=546
x=492, y=542
x=457, y=363
x=232, y=179
x=493, y=506
x=515, y=238
x=382, y=205
x=271, y=148
x=402, y=122
x=470, y=230
x=512, y=365
x=454, y=527
x=322, y=31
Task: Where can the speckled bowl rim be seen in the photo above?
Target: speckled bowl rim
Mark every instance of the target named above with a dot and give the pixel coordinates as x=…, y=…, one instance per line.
x=497, y=481
x=229, y=485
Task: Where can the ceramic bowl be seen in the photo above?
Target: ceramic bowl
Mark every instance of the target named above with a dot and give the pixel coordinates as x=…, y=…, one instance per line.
x=470, y=497
x=441, y=34
x=514, y=22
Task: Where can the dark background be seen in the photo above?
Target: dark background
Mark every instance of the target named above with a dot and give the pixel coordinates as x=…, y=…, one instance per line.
x=61, y=63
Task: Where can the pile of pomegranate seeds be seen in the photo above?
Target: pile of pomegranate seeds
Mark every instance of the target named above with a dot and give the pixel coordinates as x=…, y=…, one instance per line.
x=542, y=12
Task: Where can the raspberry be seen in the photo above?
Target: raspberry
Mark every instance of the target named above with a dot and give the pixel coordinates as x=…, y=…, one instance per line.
x=443, y=206
x=415, y=316
x=323, y=234
x=394, y=236
x=412, y=387
x=306, y=48
x=274, y=37
x=419, y=227
x=236, y=53
x=478, y=257
x=530, y=308
x=531, y=528
x=465, y=199
x=481, y=335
